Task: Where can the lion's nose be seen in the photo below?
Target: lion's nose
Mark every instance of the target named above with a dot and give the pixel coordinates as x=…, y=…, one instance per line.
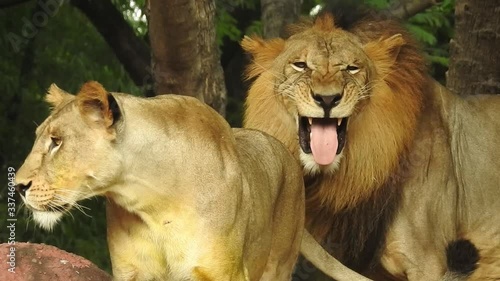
x=327, y=101
x=22, y=188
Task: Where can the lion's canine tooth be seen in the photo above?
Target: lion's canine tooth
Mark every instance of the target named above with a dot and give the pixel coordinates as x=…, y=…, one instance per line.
x=310, y=120
x=339, y=121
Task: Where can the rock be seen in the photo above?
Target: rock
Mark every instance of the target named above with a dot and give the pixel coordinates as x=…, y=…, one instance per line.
x=40, y=262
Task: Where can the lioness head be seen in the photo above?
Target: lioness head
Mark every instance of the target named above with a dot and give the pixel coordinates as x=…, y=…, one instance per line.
x=324, y=75
x=73, y=156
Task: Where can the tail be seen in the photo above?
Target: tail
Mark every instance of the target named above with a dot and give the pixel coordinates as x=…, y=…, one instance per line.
x=322, y=260
x=462, y=257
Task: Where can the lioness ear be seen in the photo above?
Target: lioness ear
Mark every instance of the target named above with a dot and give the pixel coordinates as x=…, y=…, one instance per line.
x=97, y=105
x=384, y=52
x=263, y=53
x=55, y=96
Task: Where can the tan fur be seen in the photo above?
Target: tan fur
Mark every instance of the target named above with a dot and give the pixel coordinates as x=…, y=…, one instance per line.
x=188, y=198
x=400, y=187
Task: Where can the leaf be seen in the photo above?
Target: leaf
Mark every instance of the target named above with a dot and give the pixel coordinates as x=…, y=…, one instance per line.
x=255, y=28
x=422, y=34
x=226, y=27
x=444, y=61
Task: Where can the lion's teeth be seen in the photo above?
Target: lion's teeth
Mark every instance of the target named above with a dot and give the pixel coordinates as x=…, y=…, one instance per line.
x=339, y=121
x=310, y=120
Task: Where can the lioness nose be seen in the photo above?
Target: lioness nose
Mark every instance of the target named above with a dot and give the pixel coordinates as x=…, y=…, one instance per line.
x=327, y=101
x=22, y=188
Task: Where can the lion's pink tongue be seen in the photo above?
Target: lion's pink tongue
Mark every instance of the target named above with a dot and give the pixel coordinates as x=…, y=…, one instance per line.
x=324, y=143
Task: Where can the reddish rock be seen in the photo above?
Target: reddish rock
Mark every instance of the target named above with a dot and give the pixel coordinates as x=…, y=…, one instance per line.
x=40, y=262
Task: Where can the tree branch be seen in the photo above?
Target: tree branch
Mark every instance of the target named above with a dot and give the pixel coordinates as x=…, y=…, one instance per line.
x=405, y=9
x=130, y=50
x=9, y=3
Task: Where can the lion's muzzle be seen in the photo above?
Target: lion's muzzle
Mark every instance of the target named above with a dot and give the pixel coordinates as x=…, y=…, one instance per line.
x=327, y=102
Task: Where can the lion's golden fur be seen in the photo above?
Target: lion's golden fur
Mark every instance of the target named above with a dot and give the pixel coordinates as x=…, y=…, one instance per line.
x=411, y=145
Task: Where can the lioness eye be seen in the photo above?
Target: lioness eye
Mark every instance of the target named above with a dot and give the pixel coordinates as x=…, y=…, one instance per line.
x=55, y=142
x=352, y=69
x=299, y=66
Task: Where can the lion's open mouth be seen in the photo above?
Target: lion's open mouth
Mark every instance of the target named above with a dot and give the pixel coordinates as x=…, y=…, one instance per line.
x=323, y=137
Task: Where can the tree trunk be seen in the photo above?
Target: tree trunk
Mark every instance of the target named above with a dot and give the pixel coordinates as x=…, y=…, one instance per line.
x=185, y=54
x=474, y=55
x=276, y=14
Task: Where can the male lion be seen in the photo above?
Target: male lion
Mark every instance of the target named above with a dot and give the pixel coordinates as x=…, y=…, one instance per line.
x=397, y=167
x=188, y=198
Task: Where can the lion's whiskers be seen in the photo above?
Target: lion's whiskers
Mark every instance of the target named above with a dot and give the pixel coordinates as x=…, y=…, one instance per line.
x=82, y=209
x=29, y=218
x=74, y=204
x=364, y=90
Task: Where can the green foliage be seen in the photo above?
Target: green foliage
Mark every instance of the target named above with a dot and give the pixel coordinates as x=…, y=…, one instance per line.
x=133, y=12
x=255, y=28
x=433, y=28
x=226, y=27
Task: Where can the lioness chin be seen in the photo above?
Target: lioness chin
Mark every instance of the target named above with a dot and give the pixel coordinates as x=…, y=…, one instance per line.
x=188, y=197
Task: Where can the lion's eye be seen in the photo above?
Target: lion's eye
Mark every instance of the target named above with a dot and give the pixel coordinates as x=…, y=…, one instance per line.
x=352, y=69
x=299, y=66
x=54, y=142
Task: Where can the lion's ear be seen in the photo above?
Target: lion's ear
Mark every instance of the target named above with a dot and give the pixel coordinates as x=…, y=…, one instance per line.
x=55, y=96
x=97, y=105
x=384, y=52
x=263, y=53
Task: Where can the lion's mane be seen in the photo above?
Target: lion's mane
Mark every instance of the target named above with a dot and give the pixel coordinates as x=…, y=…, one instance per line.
x=358, y=200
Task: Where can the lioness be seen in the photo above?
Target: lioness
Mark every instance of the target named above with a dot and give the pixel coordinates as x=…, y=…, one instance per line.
x=399, y=168
x=188, y=198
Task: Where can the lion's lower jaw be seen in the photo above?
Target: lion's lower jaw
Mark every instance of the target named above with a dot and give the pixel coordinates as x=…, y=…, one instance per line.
x=47, y=220
x=312, y=168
